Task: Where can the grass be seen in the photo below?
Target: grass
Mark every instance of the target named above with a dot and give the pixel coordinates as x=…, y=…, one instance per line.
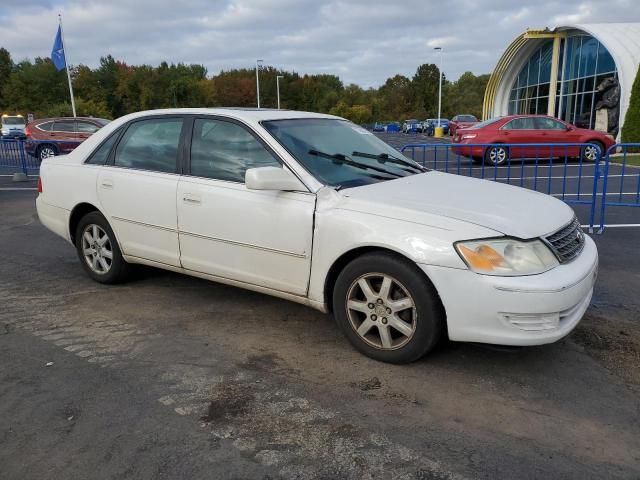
x=632, y=159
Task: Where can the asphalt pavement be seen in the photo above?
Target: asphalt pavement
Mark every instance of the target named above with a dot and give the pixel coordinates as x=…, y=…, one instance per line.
x=174, y=377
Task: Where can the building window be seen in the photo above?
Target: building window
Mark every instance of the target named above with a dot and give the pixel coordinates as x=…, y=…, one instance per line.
x=584, y=64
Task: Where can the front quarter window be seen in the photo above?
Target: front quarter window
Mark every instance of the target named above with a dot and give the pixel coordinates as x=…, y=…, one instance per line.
x=339, y=153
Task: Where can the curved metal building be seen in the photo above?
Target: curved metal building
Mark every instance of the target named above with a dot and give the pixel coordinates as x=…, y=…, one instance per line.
x=579, y=73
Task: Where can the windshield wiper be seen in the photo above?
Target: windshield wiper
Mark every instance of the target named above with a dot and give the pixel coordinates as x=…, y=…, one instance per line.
x=385, y=157
x=343, y=159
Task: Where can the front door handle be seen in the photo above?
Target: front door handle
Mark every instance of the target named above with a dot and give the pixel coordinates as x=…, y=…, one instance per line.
x=106, y=183
x=191, y=199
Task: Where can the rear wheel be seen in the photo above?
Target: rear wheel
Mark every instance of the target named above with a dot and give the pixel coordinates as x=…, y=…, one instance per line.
x=496, y=155
x=98, y=250
x=46, y=151
x=387, y=308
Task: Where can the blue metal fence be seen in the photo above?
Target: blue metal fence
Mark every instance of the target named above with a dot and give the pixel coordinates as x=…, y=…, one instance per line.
x=14, y=157
x=568, y=171
x=623, y=190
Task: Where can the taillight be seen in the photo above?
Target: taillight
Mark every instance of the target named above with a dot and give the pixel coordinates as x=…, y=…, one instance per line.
x=27, y=132
x=39, y=185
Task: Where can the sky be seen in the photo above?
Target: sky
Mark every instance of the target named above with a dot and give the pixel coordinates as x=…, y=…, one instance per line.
x=362, y=41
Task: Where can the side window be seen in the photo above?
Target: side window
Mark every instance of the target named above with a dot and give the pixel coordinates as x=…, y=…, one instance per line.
x=224, y=151
x=100, y=155
x=86, y=127
x=150, y=145
x=523, y=123
x=550, y=124
x=46, y=126
x=64, y=126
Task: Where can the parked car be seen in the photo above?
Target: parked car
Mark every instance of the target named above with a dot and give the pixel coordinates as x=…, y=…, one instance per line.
x=432, y=123
x=534, y=129
x=314, y=209
x=461, y=121
x=48, y=137
x=427, y=127
x=12, y=126
x=411, y=126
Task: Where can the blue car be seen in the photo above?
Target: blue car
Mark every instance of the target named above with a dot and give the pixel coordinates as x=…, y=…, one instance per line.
x=430, y=124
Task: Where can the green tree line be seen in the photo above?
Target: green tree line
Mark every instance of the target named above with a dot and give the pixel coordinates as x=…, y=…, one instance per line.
x=115, y=88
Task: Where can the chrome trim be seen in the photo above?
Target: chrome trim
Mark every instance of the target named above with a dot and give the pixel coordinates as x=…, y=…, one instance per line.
x=214, y=239
x=242, y=244
x=166, y=229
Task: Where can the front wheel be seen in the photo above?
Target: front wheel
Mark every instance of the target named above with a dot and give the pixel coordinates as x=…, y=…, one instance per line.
x=387, y=308
x=98, y=250
x=496, y=155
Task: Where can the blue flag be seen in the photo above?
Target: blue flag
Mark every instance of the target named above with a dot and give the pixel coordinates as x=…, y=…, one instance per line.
x=57, y=53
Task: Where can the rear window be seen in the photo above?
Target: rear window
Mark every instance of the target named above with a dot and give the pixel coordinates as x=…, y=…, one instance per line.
x=467, y=118
x=46, y=126
x=64, y=126
x=487, y=122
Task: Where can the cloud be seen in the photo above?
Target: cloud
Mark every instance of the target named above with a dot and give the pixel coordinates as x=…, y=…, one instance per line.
x=364, y=41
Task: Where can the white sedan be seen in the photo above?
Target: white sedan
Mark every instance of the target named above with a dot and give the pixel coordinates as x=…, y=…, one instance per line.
x=317, y=210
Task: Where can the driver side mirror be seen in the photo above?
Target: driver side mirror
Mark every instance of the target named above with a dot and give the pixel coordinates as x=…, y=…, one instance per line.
x=570, y=127
x=272, y=178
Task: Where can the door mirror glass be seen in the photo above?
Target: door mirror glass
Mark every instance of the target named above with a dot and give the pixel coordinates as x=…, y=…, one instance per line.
x=272, y=178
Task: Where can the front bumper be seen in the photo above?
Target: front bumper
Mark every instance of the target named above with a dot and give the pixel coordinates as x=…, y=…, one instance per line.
x=531, y=310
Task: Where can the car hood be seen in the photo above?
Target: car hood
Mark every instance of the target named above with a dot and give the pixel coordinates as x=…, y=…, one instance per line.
x=506, y=209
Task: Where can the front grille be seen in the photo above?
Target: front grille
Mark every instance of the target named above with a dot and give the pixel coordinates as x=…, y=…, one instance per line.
x=568, y=242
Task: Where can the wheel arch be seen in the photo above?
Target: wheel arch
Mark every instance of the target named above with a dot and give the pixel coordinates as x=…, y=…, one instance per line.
x=345, y=258
x=79, y=211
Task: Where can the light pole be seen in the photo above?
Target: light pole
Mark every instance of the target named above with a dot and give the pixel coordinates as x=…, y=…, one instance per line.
x=439, y=85
x=278, y=77
x=258, y=62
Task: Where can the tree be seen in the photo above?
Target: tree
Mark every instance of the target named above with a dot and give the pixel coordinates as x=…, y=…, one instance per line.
x=6, y=67
x=631, y=127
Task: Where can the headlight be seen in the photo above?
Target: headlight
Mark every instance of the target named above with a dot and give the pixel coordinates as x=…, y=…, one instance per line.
x=507, y=257
x=469, y=136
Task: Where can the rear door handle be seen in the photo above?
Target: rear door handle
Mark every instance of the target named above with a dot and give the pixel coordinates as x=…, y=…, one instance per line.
x=106, y=183
x=191, y=199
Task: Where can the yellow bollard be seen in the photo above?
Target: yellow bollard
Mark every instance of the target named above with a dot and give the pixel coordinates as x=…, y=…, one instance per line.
x=438, y=132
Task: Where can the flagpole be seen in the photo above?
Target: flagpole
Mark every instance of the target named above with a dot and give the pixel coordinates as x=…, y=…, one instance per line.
x=66, y=64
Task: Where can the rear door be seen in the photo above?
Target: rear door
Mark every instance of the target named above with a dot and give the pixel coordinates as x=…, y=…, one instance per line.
x=137, y=188
x=84, y=129
x=521, y=130
x=63, y=135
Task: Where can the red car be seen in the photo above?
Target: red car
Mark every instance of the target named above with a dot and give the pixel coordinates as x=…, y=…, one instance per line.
x=528, y=129
x=461, y=121
x=57, y=136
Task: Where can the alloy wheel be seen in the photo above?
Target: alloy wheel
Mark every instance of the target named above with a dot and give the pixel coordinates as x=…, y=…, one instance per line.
x=97, y=249
x=497, y=155
x=381, y=311
x=47, y=152
x=590, y=153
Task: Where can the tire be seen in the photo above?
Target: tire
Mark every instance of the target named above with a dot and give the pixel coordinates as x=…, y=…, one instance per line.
x=496, y=155
x=94, y=251
x=589, y=154
x=46, y=151
x=412, y=304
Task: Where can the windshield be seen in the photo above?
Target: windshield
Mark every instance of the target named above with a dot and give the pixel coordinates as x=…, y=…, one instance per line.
x=13, y=120
x=486, y=122
x=339, y=153
x=467, y=118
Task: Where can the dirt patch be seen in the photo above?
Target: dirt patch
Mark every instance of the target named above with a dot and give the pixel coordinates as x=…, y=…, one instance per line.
x=372, y=383
x=615, y=344
x=230, y=400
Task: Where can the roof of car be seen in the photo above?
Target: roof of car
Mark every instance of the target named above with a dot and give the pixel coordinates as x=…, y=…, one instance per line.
x=247, y=114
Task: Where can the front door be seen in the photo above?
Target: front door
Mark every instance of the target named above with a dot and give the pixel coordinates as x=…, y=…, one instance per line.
x=258, y=237
x=137, y=189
